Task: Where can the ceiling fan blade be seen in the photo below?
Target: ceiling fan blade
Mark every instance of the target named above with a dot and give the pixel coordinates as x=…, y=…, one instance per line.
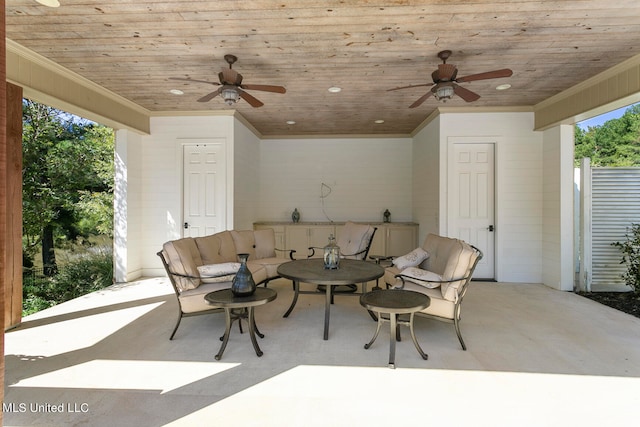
x=250, y=99
x=193, y=80
x=421, y=100
x=505, y=72
x=208, y=97
x=465, y=94
x=410, y=86
x=265, y=88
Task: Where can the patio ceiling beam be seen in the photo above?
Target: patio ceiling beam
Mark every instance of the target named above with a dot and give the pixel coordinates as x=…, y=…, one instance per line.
x=44, y=81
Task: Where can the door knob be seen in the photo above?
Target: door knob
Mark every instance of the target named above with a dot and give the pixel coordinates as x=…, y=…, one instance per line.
x=186, y=225
x=490, y=228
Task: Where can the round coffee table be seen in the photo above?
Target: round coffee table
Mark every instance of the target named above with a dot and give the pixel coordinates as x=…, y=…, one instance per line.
x=236, y=308
x=312, y=271
x=395, y=302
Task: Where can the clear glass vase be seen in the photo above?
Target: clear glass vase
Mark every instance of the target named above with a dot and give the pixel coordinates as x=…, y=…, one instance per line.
x=331, y=254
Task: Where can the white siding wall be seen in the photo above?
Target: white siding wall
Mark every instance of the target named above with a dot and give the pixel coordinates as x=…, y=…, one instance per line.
x=267, y=179
x=426, y=179
x=162, y=178
x=128, y=207
x=366, y=176
x=518, y=180
x=246, y=181
x=557, y=232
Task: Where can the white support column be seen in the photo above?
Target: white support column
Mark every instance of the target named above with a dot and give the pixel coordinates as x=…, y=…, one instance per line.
x=120, y=208
x=126, y=199
x=585, y=226
x=558, y=211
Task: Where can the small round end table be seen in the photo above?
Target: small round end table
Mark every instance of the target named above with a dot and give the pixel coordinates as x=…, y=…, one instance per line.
x=395, y=302
x=236, y=308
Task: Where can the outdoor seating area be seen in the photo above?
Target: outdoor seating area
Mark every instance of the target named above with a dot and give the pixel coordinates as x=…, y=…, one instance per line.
x=197, y=266
x=535, y=356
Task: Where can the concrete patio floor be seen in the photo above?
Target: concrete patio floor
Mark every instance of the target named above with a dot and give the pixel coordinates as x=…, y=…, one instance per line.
x=536, y=357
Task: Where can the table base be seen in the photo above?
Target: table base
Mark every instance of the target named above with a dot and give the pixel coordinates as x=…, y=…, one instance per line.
x=232, y=315
x=394, y=335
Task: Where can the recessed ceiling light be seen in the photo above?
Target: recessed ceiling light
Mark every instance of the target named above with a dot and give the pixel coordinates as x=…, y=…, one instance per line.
x=334, y=89
x=291, y=122
x=49, y=3
x=379, y=121
x=176, y=92
x=503, y=87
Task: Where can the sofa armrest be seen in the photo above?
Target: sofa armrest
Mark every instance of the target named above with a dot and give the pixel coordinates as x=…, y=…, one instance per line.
x=312, y=251
x=402, y=278
x=291, y=252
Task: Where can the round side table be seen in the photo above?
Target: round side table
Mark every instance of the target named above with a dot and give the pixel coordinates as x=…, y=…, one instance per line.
x=395, y=302
x=236, y=308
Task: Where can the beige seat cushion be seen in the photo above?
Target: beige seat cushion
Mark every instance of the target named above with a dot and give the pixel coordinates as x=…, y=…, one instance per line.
x=390, y=275
x=192, y=301
x=265, y=241
x=270, y=265
x=354, y=238
x=217, y=248
x=183, y=258
x=245, y=242
x=438, y=306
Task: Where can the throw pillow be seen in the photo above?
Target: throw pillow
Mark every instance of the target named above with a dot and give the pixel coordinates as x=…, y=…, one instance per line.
x=425, y=278
x=215, y=273
x=412, y=259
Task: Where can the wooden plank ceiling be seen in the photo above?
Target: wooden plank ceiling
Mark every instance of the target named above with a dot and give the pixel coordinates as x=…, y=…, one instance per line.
x=365, y=47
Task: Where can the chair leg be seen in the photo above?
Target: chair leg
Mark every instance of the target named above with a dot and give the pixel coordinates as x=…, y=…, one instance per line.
x=176, y=328
x=456, y=324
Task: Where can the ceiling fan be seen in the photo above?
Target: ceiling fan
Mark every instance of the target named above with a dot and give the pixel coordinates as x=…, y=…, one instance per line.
x=231, y=88
x=445, y=79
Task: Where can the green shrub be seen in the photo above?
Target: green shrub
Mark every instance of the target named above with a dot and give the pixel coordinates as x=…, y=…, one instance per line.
x=82, y=274
x=631, y=256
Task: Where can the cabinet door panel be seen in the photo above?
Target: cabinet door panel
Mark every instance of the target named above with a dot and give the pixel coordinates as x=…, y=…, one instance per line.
x=297, y=238
x=400, y=240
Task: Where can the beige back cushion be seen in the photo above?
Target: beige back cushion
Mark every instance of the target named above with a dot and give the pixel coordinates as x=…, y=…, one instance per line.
x=244, y=241
x=450, y=258
x=183, y=258
x=217, y=248
x=353, y=238
x=265, y=241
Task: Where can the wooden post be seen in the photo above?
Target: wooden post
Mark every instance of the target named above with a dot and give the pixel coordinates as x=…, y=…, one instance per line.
x=3, y=174
x=13, y=215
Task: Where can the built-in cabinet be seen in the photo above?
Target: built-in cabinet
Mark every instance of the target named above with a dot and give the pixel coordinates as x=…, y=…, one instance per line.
x=391, y=239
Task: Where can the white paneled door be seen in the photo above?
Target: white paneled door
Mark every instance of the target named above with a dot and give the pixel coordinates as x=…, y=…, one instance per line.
x=471, y=201
x=204, y=189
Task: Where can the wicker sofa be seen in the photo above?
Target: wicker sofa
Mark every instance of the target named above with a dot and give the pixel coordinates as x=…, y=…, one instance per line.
x=199, y=265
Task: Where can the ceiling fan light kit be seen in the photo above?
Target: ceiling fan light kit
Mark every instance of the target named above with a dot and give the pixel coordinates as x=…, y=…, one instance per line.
x=230, y=95
x=445, y=80
x=443, y=92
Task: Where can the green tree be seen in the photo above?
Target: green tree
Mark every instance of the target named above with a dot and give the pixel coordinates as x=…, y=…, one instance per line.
x=615, y=143
x=67, y=179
